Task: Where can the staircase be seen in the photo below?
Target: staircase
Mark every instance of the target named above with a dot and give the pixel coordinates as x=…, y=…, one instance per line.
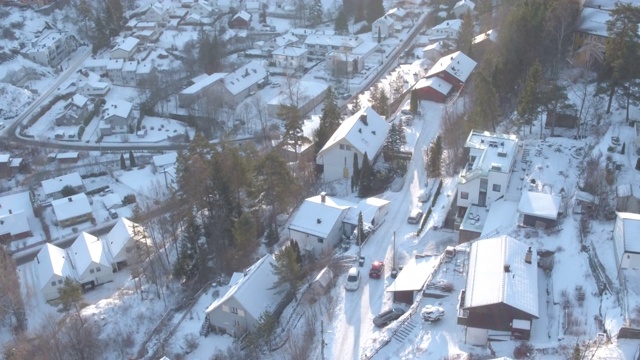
x=205, y=329
x=406, y=329
x=525, y=154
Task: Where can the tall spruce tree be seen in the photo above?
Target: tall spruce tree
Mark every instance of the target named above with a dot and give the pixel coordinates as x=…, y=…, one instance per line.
x=375, y=10
x=341, y=25
x=367, y=177
x=531, y=99
x=316, y=13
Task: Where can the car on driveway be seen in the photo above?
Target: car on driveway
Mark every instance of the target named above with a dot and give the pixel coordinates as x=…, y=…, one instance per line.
x=432, y=313
x=414, y=216
x=386, y=317
x=377, y=270
x=353, y=279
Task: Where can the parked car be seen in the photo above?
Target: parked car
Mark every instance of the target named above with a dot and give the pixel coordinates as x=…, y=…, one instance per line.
x=414, y=216
x=386, y=317
x=353, y=279
x=377, y=270
x=113, y=214
x=432, y=313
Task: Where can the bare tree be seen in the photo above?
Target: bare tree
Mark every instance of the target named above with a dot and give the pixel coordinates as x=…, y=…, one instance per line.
x=263, y=117
x=80, y=341
x=396, y=85
x=11, y=303
x=454, y=134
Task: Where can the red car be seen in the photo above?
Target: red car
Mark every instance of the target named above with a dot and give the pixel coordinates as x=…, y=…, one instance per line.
x=377, y=270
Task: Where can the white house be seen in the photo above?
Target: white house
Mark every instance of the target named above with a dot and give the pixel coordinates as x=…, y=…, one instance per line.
x=280, y=41
x=241, y=83
x=201, y=8
x=120, y=241
x=90, y=260
x=289, y=58
x=462, y=7
x=90, y=84
x=446, y=30
x=382, y=28
x=50, y=48
x=72, y=210
x=250, y=295
x=74, y=112
x=125, y=49
x=486, y=175
x=397, y=14
x=362, y=133
x=318, y=223
x=96, y=65
x=51, y=268
x=117, y=117
x=52, y=187
x=373, y=212
x=626, y=241
x=14, y=226
x=433, y=51
x=453, y=68
x=201, y=87
x=114, y=70
x=157, y=13
x=319, y=45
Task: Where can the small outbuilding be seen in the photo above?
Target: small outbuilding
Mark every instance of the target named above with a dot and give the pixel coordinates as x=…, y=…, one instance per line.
x=626, y=241
x=539, y=210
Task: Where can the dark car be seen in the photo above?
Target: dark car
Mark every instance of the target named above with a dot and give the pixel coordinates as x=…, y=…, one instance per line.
x=377, y=270
x=384, y=318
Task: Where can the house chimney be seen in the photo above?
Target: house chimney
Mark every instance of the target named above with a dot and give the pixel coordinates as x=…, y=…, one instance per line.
x=37, y=260
x=363, y=118
x=318, y=220
x=70, y=199
x=10, y=212
x=323, y=197
x=507, y=268
x=527, y=257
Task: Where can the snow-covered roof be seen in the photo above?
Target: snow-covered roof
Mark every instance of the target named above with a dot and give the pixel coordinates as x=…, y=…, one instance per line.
x=15, y=162
x=413, y=276
x=364, y=48
x=388, y=20
x=317, y=218
x=369, y=207
x=244, y=77
x=242, y=15
x=117, y=107
x=120, y=234
x=70, y=207
x=290, y=51
x=85, y=250
x=163, y=160
x=253, y=290
x=144, y=67
x=111, y=200
x=4, y=158
x=366, y=138
x=203, y=82
x=468, y=3
x=308, y=89
x=96, y=63
x=457, y=64
x=78, y=100
x=252, y=5
x=491, y=35
x=333, y=40
x=14, y=224
x=490, y=152
x=51, y=186
x=437, y=46
x=127, y=44
x=115, y=64
x=46, y=40
x=488, y=281
x=630, y=231
x=539, y=204
x=302, y=31
x=435, y=83
x=454, y=24
x=67, y=155
x=52, y=260
x=593, y=21
x=130, y=66
x=285, y=39
x=397, y=11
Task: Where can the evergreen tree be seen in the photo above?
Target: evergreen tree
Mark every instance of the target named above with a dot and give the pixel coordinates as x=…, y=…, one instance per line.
x=356, y=171
x=316, y=13
x=70, y=296
x=114, y=16
x=360, y=229
x=293, y=135
x=577, y=353
x=186, y=265
x=341, y=25
x=271, y=235
x=413, y=102
x=531, y=99
x=375, y=10
x=356, y=106
x=329, y=121
x=367, y=177
x=132, y=159
x=123, y=163
x=287, y=268
x=321, y=136
x=379, y=35
x=465, y=36
x=434, y=161
x=262, y=336
x=85, y=13
x=383, y=104
x=359, y=14
x=101, y=36
x=244, y=231
x=484, y=111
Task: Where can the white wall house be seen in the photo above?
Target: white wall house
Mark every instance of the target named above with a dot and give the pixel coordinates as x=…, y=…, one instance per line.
x=289, y=58
x=319, y=45
x=318, y=224
x=90, y=260
x=238, y=85
x=51, y=48
x=120, y=241
x=90, y=84
x=72, y=210
x=363, y=132
x=157, y=13
x=125, y=49
x=382, y=28
x=462, y=7
x=486, y=175
x=114, y=70
x=117, y=117
x=626, y=241
x=446, y=30
x=52, y=187
x=52, y=267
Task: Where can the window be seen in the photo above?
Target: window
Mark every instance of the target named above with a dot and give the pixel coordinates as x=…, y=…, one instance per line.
x=236, y=323
x=464, y=195
x=496, y=187
x=59, y=282
x=98, y=269
x=234, y=310
x=321, y=240
x=91, y=271
x=53, y=283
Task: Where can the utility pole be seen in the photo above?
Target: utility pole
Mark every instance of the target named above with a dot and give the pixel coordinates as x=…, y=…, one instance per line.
x=322, y=340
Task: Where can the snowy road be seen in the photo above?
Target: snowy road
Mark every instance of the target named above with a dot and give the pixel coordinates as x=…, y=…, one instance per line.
x=370, y=299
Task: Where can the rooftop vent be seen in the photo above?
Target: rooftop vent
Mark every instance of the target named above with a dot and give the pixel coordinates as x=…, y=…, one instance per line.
x=507, y=268
x=502, y=153
x=527, y=257
x=363, y=118
x=496, y=167
x=318, y=220
x=323, y=197
x=70, y=199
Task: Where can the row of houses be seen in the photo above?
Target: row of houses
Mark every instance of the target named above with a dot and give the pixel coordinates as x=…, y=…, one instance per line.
x=89, y=260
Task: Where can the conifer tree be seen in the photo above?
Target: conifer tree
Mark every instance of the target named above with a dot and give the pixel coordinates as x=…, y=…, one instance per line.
x=366, y=178
x=132, y=159
x=316, y=13
x=341, y=25
x=70, y=296
x=413, y=102
x=356, y=170
x=123, y=163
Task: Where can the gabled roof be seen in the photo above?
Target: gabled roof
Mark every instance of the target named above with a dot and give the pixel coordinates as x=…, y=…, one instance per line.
x=593, y=21
x=467, y=3
x=366, y=138
x=52, y=260
x=490, y=35
x=111, y=200
x=244, y=77
x=437, y=46
x=127, y=44
x=333, y=40
x=317, y=218
x=488, y=283
x=86, y=250
x=630, y=231
x=70, y=207
x=285, y=39
x=115, y=64
x=454, y=24
x=14, y=224
x=435, y=83
x=165, y=159
x=203, y=82
x=253, y=290
x=242, y=15
x=457, y=64
x=397, y=12
x=118, y=107
x=121, y=233
x=78, y=100
x=539, y=204
x=51, y=186
x=369, y=207
x=289, y=51
x=385, y=19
